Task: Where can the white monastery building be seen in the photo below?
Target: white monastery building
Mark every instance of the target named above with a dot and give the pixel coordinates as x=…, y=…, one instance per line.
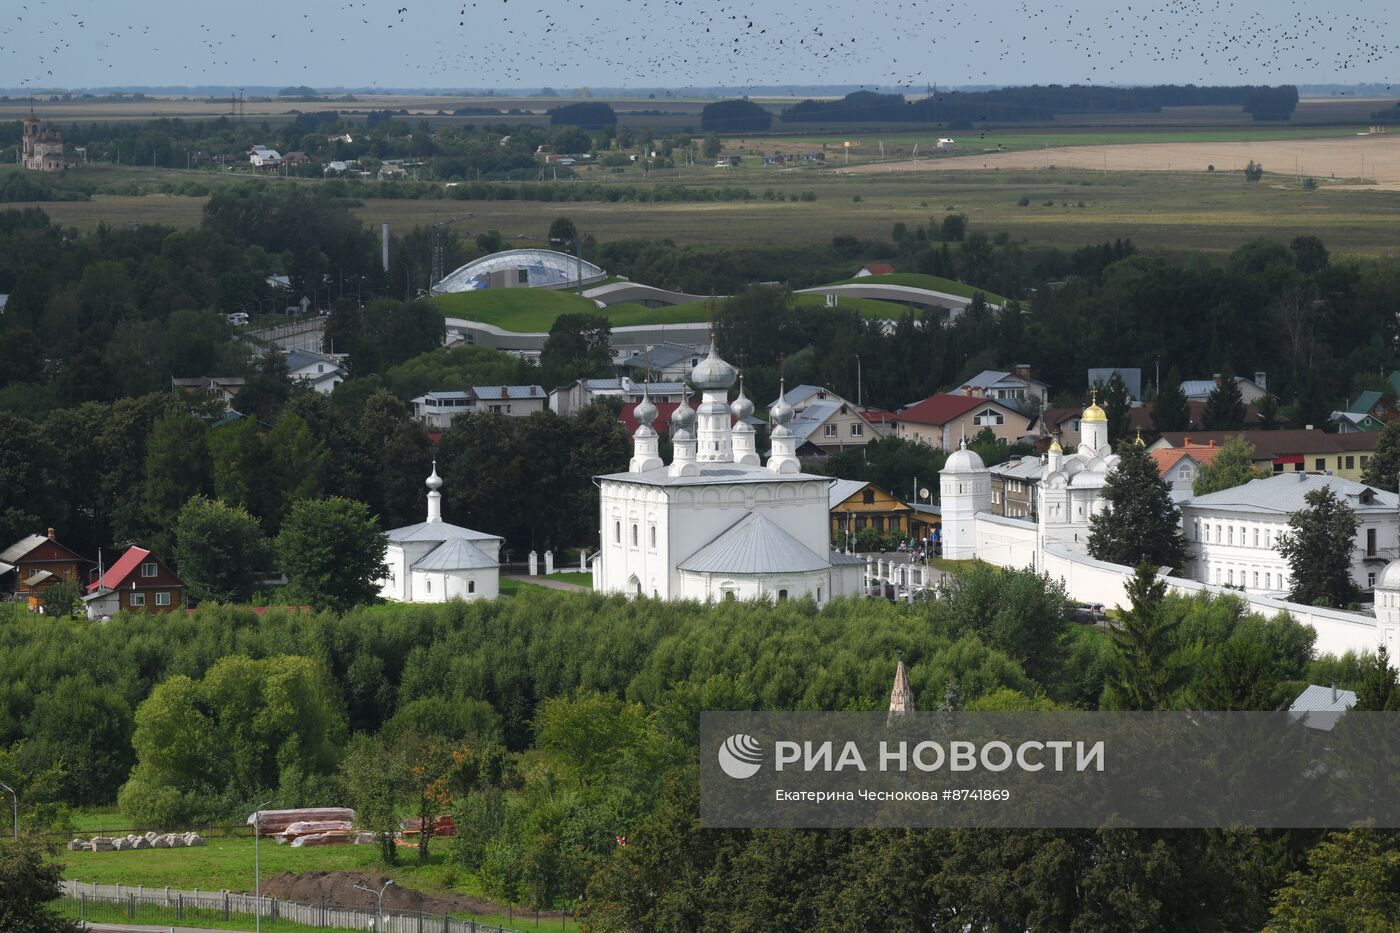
x=716, y=523
x=433, y=561
x=1232, y=537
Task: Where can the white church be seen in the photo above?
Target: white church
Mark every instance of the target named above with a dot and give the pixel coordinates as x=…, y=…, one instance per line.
x=716, y=523
x=1219, y=529
x=434, y=561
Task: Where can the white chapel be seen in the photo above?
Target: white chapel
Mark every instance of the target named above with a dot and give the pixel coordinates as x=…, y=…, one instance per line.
x=716, y=523
x=433, y=561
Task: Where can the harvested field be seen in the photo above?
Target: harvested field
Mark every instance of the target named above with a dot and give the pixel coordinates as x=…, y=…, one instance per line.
x=1341, y=158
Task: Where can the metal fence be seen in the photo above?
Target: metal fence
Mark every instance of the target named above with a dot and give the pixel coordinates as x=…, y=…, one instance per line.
x=99, y=903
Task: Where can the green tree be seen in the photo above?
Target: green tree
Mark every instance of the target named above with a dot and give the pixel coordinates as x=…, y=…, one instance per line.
x=562, y=232
x=1170, y=411
x=1318, y=549
x=1140, y=522
x=1020, y=612
x=25, y=493
x=238, y=462
x=1351, y=885
x=29, y=884
x=332, y=551
x=712, y=147
x=368, y=775
x=1116, y=402
x=1144, y=674
x=1268, y=412
x=1378, y=689
x=578, y=345
x=177, y=467
x=59, y=600
x=219, y=550
x=1241, y=674
x=1232, y=466
x=295, y=467
x=1383, y=469
x=1224, y=410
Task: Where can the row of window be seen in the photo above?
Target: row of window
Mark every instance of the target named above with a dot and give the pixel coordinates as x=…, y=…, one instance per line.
x=1225, y=534
x=651, y=534
x=834, y=430
x=139, y=599
x=1227, y=578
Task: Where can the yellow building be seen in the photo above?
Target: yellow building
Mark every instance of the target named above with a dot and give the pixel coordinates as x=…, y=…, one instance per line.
x=857, y=505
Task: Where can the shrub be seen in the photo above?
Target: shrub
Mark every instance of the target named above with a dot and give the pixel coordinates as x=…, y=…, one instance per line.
x=1024, y=201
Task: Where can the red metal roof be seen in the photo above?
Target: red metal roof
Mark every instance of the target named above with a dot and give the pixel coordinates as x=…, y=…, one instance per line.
x=940, y=408
x=122, y=569
x=879, y=268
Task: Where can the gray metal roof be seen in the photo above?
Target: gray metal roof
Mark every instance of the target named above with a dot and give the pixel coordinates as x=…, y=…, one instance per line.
x=849, y=560
x=1321, y=707
x=1026, y=467
x=660, y=356
x=813, y=417
x=1284, y=493
x=712, y=473
x=799, y=394
x=296, y=359
x=456, y=554
x=753, y=545
x=438, y=531
x=21, y=547
x=843, y=489
x=1132, y=378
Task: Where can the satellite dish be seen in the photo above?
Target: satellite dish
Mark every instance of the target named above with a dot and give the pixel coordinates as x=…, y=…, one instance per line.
x=923, y=493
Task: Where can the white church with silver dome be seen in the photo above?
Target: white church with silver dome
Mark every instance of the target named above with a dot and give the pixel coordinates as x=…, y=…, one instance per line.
x=717, y=523
x=434, y=561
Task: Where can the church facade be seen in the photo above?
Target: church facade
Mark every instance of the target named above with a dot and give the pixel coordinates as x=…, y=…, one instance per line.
x=434, y=561
x=717, y=523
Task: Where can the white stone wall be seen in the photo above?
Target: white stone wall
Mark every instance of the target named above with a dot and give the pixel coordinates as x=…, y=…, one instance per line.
x=439, y=586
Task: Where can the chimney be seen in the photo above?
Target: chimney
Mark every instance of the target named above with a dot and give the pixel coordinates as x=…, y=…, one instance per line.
x=50, y=534
x=1187, y=442
x=1023, y=370
x=1334, y=693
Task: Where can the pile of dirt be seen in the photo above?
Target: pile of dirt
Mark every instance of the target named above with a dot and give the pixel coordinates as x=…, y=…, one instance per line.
x=337, y=888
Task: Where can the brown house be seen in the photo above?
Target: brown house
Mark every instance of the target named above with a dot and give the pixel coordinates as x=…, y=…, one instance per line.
x=857, y=505
x=39, y=562
x=137, y=582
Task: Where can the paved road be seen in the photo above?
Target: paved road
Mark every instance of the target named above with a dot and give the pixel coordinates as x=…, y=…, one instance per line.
x=550, y=583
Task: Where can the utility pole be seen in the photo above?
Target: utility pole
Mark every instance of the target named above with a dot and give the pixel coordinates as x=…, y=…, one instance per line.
x=257, y=868
x=14, y=805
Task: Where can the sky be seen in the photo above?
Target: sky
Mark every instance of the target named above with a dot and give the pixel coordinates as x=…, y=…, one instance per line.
x=676, y=43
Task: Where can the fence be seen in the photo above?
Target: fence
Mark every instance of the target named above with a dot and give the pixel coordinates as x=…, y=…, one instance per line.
x=106, y=903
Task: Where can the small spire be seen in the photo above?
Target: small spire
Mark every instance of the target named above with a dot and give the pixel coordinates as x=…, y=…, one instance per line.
x=901, y=695
x=434, y=481
x=1139, y=437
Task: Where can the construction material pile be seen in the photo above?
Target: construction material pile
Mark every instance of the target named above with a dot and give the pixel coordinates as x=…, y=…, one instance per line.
x=131, y=842
x=309, y=826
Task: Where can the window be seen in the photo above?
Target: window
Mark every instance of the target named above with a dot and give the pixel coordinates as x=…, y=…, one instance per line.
x=1230, y=534
x=148, y=569
x=782, y=596
x=1231, y=577
x=617, y=532
x=1370, y=542
x=857, y=430
x=471, y=586
x=522, y=276
x=652, y=530
x=1198, y=529
x=634, y=534
x=1256, y=579
x=1350, y=461
x=1364, y=458
x=1370, y=580
x=138, y=599
x=1320, y=464
x=429, y=582
x=868, y=497
x=819, y=594
x=729, y=596
x=162, y=599
x=1268, y=581
x=988, y=417
x=1256, y=537
x=829, y=430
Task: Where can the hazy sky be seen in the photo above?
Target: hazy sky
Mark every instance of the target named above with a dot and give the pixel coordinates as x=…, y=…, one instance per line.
x=651, y=43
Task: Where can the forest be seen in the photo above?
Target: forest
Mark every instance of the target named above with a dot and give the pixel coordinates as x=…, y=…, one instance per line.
x=552, y=724
x=960, y=109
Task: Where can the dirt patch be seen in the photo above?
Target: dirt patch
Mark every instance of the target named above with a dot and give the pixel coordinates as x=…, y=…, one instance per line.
x=337, y=888
x=1341, y=157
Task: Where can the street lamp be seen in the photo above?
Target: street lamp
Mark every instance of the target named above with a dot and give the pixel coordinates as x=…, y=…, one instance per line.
x=378, y=901
x=14, y=804
x=257, y=868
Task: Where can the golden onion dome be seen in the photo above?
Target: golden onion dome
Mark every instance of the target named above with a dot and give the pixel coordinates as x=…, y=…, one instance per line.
x=1094, y=412
x=1055, y=447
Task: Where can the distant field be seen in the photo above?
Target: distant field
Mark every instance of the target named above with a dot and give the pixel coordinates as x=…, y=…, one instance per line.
x=531, y=310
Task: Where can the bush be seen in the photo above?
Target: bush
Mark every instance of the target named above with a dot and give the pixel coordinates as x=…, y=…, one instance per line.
x=1024, y=201
x=856, y=198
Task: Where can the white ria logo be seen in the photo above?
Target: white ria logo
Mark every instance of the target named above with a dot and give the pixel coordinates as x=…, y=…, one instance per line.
x=740, y=756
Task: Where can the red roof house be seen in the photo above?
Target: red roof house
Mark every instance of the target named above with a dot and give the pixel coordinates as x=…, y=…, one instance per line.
x=137, y=582
x=942, y=420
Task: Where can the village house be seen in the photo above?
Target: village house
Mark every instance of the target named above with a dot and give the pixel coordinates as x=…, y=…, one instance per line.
x=437, y=409
x=580, y=393
x=856, y=505
x=671, y=362
x=137, y=582
x=943, y=420
x=1179, y=466
x=1252, y=390
x=1015, y=389
x=223, y=388
x=1295, y=450
x=320, y=371
x=39, y=562
x=828, y=426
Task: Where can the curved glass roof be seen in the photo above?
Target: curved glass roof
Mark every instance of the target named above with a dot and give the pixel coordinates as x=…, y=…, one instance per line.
x=542, y=268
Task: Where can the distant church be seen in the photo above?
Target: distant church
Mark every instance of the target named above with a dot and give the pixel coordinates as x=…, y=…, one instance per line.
x=434, y=561
x=42, y=147
x=716, y=523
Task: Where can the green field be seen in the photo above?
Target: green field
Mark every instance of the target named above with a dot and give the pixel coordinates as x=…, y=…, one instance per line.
x=870, y=308
x=226, y=864
x=533, y=310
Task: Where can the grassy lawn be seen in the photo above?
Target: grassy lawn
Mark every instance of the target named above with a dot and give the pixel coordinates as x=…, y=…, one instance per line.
x=951, y=566
x=576, y=578
x=226, y=864
x=919, y=280
x=870, y=308
x=518, y=309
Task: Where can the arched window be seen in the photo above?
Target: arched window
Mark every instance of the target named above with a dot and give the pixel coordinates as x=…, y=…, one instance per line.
x=819, y=594
x=471, y=586
x=729, y=596
x=653, y=536
x=782, y=596
x=617, y=532
x=429, y=582
x=634, y=534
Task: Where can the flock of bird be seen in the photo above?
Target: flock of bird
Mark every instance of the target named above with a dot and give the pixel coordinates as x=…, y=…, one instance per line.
x=649, y=43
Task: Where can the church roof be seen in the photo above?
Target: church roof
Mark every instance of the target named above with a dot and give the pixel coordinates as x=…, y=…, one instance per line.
x=901, y=696
x=456, y=554
x=752, y=545
x=712, y=473
x=437, y=531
